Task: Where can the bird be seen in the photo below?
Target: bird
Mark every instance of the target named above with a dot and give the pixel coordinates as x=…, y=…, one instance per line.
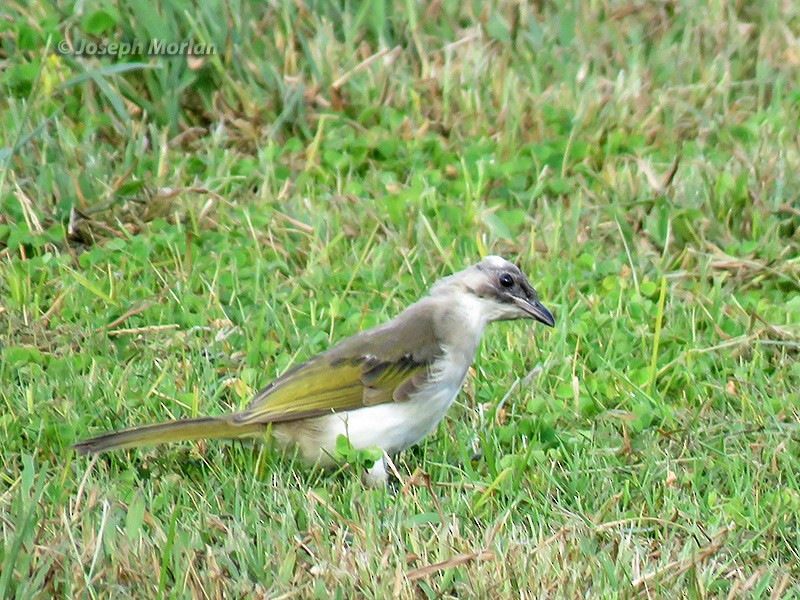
x=387, y=387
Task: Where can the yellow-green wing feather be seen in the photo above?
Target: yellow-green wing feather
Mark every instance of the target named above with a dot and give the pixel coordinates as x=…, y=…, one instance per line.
x=381, y=365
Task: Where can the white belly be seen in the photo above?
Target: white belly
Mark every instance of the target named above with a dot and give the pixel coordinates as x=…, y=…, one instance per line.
x=392, y=427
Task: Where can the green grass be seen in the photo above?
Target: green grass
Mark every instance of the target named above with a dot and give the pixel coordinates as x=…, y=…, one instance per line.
x=174, y=234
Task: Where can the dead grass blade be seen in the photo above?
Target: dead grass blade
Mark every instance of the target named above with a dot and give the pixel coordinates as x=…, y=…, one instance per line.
x=450, y=563
x=678, y=567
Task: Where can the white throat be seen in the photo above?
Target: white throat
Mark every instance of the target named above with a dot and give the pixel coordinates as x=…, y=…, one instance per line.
x=478, y=312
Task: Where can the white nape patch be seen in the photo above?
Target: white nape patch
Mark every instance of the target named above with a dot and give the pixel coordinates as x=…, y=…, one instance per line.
x=496, y=261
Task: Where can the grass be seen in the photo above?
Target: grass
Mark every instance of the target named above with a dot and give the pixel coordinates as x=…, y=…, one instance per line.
x=177, y=232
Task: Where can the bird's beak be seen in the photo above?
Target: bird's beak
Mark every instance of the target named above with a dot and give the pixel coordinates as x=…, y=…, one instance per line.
x=537, y=310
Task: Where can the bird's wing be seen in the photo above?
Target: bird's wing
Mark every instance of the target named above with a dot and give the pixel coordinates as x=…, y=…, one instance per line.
x=385, y=364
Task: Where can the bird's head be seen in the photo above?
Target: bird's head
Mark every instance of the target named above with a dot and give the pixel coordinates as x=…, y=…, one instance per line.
x=501, y=292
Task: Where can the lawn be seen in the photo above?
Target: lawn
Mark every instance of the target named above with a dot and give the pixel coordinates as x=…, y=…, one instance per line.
x=176, y=231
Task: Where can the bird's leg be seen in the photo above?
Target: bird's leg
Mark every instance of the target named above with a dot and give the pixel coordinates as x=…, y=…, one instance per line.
x=376, y=475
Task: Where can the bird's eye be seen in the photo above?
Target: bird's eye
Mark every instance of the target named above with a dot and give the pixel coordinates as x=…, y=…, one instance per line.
x=506, y=280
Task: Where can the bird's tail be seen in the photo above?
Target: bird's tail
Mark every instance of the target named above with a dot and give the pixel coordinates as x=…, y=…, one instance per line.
x=171, y=431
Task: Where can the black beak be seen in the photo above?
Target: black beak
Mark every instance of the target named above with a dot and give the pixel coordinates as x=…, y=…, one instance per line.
x=537, y=310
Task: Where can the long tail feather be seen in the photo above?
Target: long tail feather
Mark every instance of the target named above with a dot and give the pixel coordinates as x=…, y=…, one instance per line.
x=171, y=431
